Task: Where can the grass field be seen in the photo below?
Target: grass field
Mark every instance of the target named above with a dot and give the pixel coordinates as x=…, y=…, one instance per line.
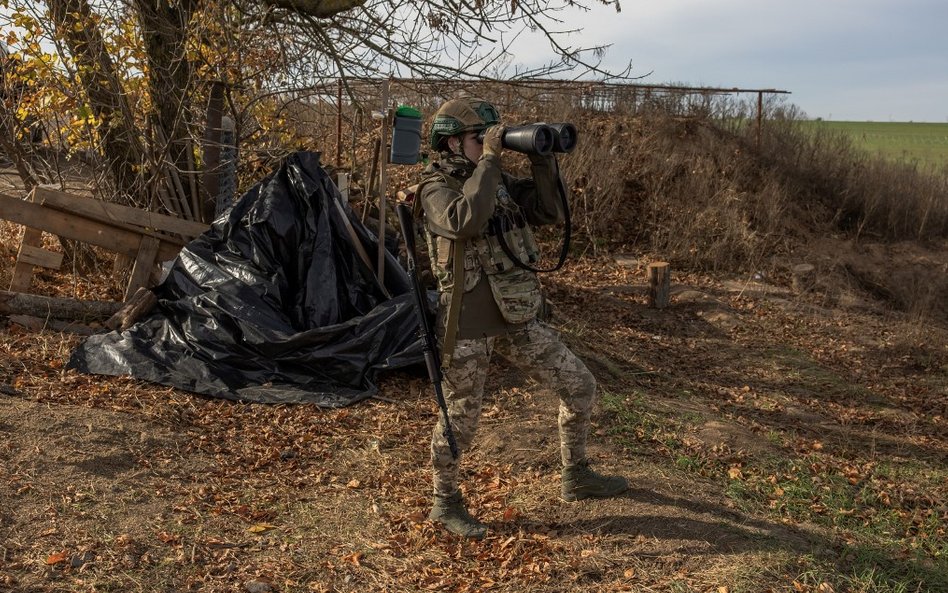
x=924, y=143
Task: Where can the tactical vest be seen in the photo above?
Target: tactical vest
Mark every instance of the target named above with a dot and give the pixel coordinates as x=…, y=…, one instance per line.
x=516, y=291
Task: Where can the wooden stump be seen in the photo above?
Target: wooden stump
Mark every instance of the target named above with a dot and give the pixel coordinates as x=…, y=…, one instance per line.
x=659, y=284
x=804, y=277
x=141, y=304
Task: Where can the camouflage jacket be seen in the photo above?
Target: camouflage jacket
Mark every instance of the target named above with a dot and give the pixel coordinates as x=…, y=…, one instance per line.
x=462, y=201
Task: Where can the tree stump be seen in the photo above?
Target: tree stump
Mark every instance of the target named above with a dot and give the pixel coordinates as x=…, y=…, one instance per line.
x=804, y=277
x=659, y=284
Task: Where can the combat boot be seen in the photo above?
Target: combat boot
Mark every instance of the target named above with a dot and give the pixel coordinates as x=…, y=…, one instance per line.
x=579, y=482
x=450, y=512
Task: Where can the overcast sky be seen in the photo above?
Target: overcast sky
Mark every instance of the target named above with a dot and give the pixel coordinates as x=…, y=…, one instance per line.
x=880, y=60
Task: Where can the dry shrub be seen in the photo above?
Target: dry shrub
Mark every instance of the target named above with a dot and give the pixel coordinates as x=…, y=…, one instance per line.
x=680, y=186
x=700, y=191
x=868, y=195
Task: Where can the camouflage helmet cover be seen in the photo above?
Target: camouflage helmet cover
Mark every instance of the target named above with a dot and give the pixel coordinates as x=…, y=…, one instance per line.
x=468, y=114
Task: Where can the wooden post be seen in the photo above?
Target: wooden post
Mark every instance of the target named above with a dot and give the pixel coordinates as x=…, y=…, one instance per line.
x=804, y=277
x=141, y=270
x=23, y=271
x=210, y=181
x=339, y=124
x=370, y=186
x=659, y=284
x=383, y=179
x=227, y=180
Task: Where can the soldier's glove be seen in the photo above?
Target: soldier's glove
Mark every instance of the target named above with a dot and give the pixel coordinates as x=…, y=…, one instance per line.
x=492, y=140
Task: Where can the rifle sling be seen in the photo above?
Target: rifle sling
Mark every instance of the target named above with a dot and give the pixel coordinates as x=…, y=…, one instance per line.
x=454, y=305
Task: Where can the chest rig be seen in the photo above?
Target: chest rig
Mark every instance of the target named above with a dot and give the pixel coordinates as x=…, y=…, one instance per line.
x=462, y=263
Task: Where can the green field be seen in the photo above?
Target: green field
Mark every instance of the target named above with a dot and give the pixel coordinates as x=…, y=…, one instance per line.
x=922, y=143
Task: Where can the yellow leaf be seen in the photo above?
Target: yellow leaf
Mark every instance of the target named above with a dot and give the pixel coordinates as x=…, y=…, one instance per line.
x=735, y=473
x=723, y=589
x=260, y=527
x=353, y=484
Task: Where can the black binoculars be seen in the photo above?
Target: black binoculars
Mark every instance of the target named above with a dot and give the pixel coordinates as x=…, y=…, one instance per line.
x=538, y=138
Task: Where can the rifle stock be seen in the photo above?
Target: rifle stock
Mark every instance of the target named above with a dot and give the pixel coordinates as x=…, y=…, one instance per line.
x=426, y=332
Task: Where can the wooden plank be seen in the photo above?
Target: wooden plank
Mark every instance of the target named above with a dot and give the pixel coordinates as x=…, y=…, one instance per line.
x=23, y=272
x=37, y=256
x=144, y=262
x=118, y=215
x=74, y=227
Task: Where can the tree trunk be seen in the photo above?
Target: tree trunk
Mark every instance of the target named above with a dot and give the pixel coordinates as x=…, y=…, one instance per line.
x=164, y=25
x=76, y=25
x=17, y=303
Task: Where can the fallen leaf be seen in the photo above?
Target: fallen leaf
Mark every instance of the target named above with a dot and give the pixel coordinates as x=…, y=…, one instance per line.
x=510, y=514
x=57, y=558
x=825, y=588
x=353, y=484
x=167, y=538
x=735, y=473
x=629, y=573
x=723, y=589
x=260, y=527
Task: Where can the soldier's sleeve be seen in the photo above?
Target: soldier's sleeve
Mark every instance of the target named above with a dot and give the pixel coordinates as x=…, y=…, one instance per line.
x=462, y=214
x=538, y=195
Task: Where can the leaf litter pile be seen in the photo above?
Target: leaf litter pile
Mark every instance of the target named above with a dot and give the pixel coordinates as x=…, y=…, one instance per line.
x=772, y=444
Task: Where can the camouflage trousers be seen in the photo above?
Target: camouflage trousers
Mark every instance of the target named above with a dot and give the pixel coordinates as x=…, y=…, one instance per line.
x=537, y=351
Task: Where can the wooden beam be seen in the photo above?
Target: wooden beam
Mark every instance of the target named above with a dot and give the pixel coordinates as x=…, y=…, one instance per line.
x=37, y=256
x=74, y=227
x=126, y=217
x=144, y=262
x=23, y=272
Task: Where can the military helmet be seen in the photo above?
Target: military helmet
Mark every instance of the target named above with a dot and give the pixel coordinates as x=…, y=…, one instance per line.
x=468, y=114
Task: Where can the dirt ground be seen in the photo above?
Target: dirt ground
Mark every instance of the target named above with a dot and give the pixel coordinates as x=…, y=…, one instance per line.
x=775, y=442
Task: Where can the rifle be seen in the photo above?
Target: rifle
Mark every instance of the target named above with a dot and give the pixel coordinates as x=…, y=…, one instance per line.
x=429, y=344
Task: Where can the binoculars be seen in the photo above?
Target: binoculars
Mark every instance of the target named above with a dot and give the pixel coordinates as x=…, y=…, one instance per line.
x=538, y=138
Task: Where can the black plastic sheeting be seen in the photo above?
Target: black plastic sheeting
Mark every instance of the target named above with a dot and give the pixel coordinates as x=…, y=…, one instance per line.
x=272, y=304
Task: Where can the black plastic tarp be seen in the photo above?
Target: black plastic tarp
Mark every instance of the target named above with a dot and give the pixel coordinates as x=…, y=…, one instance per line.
x=272, y=304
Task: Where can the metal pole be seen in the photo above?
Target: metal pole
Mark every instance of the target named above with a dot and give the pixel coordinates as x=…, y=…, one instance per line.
x=760, y=115
x=339, y=125
x=383, y=179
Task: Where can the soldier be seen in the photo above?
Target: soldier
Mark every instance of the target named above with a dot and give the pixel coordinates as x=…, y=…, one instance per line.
x=467, y=201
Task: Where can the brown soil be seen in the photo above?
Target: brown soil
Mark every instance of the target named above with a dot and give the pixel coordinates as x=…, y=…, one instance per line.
x=111, y=484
